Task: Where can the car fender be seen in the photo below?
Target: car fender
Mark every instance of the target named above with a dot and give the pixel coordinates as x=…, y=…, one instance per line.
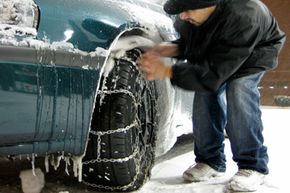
x=166, y=102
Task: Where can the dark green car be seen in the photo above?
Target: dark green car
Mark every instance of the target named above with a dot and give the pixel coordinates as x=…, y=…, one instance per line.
x=70, y=88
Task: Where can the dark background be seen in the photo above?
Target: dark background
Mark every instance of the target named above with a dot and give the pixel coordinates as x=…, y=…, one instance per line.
x=277, y=82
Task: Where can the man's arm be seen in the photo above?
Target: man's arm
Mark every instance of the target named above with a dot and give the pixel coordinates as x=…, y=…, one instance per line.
x=222, y=61
x=165, y=49
x=235, y=45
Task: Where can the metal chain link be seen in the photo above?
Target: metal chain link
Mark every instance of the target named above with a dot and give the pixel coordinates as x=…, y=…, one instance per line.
x=125, y=187
x=99, y=141
x=114, y=160
x=120, y=130
x=135, y=155
x=119, y=91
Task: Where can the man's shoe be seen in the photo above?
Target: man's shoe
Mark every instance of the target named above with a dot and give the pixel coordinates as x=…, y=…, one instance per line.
x=200, y=172
x=246, y=181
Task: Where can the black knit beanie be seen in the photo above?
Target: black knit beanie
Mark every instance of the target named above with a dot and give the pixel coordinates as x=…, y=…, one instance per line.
x=177, y=6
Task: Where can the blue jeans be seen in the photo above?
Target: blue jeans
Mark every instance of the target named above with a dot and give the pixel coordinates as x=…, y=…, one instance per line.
x=236, y=108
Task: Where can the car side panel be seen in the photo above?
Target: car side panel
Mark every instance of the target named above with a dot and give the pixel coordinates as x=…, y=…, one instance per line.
x=46, y=104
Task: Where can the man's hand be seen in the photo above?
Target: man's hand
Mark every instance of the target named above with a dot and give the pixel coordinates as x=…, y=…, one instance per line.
x=153, y=68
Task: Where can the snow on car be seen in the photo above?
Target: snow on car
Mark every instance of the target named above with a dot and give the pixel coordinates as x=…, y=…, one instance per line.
x=70, y=88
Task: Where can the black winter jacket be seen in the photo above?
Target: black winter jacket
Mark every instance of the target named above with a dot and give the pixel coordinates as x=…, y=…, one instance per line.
x=241, y=37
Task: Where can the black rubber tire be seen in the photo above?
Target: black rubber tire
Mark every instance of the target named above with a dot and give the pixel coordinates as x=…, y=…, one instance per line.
x=127, y=98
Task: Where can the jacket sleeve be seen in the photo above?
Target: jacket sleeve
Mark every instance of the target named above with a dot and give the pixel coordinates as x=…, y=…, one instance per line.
x=181, y=48
x=222, y=60
x=181, y=27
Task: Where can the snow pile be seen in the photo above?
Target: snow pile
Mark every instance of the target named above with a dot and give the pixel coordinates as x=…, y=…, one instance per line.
x=45, y=45
x=17, y=12
x=11, y=31
x=10, y=36
x=32, y=183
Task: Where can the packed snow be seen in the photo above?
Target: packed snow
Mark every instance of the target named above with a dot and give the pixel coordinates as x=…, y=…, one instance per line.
x=32, y=182
x=167, y=175
x=18, y=12
x=167, y=172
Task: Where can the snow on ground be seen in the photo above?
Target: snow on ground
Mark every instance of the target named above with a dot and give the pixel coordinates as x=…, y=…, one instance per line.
x=166, y=175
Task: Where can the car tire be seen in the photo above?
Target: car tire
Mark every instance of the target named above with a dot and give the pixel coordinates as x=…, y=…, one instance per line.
x=120, y=151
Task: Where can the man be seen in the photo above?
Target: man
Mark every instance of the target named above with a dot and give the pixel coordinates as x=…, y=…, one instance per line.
x=224, y=49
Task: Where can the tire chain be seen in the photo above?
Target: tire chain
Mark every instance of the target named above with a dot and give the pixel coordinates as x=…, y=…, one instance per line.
x=133, y=156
